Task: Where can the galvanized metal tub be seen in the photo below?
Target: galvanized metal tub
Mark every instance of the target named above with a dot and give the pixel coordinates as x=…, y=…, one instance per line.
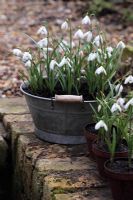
x=59, y=122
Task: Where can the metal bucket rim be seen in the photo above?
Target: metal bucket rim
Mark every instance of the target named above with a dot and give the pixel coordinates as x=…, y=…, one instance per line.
x=44, y=98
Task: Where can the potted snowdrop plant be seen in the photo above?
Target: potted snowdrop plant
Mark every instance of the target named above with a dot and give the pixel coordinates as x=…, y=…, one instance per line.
x=64, y=75
x=112, y=123
x=119, y=171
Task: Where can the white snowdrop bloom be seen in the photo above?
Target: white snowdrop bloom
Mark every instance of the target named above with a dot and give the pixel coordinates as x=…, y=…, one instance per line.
x=121, y=45
x=79, y=34
x=49, y=49
x=120, y=101
x=64, y=61
x=129, y=79
x=52, y=64
x=100, y=70
x=43, y=43
x=99, y=108
x=17, y=52
x=81, y=53
x=73, y=44
x=109, y=49
x=83, y=72
x=101, y=124
x=64, y=25
x=88, y=35
x=98, y=40
x=92, y=56
x=42, y=30
x=26, y=56
x=86, y=20
x=28, y=64
x=119, y=89
x=116, y=107
x=130, y=102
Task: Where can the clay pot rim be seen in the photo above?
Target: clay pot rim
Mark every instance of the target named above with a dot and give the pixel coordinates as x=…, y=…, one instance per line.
x=115, y=174
x=106, y=154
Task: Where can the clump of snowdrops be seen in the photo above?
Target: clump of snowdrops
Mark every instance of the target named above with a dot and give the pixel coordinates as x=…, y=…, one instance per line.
x=81, y=60
x=114, y=118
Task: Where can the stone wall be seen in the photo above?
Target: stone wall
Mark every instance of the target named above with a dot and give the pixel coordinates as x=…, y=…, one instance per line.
x=44, y=171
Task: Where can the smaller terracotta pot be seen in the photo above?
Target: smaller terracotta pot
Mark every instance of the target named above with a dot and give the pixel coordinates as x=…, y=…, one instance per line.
x=102, y=156
x=91, y=135
x=121, y=183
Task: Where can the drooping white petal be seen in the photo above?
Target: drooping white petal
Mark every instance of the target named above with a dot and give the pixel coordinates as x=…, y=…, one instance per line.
x=79, y=34
x=109, y=49
x=101, y=124
x=100, y=70
x=129, y=103
x=86, y=20
x=99, y=108
x=120, y=101
x=88, y=35
x=26, y=56
x=98, y=40
x=115, y=107
x=92, y=56
x=121, y=45
x=52, y=64
x=64, y=25
x=81, y=53
x=49, y=49
x=28, y=64
x=129, y=79
x=43, y=43
x=65, y=61
x=17, y=52
x=118, y=89
x=42, y=30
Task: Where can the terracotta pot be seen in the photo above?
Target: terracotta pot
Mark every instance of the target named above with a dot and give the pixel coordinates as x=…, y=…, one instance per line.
x=91, y=136
x=102, y=156
x=121, y=182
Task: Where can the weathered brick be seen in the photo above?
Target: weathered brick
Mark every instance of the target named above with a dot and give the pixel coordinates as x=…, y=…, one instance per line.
x=13, y=106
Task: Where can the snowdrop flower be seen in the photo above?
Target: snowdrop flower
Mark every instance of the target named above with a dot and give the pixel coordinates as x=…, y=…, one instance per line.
x=88, y=36
x=83, y=71
x=26, y=56
x=92, y=56
x=121, y=45
x=64, y=25
x=43, y=43
x=81, y=53
x=130, y=102
x=86, y=20
x=101, y=124
x=73, y=44
x=17, y=52
x=49, y=49
x=115, y=107
x=129, y=79
x=42, y=31
x=28, y=64
x=120, y=101
x=119, y=89
x=52, y=64
x=100, y=70
x=79, y=34
x=64, y=61
x=98, y=40
x=109, y=49
x=99, y=108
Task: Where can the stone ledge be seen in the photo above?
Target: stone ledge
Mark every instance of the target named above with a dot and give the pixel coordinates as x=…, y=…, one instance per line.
x=45, y=171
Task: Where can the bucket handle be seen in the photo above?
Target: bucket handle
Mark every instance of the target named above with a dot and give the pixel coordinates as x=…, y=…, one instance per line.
x=69, y=98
